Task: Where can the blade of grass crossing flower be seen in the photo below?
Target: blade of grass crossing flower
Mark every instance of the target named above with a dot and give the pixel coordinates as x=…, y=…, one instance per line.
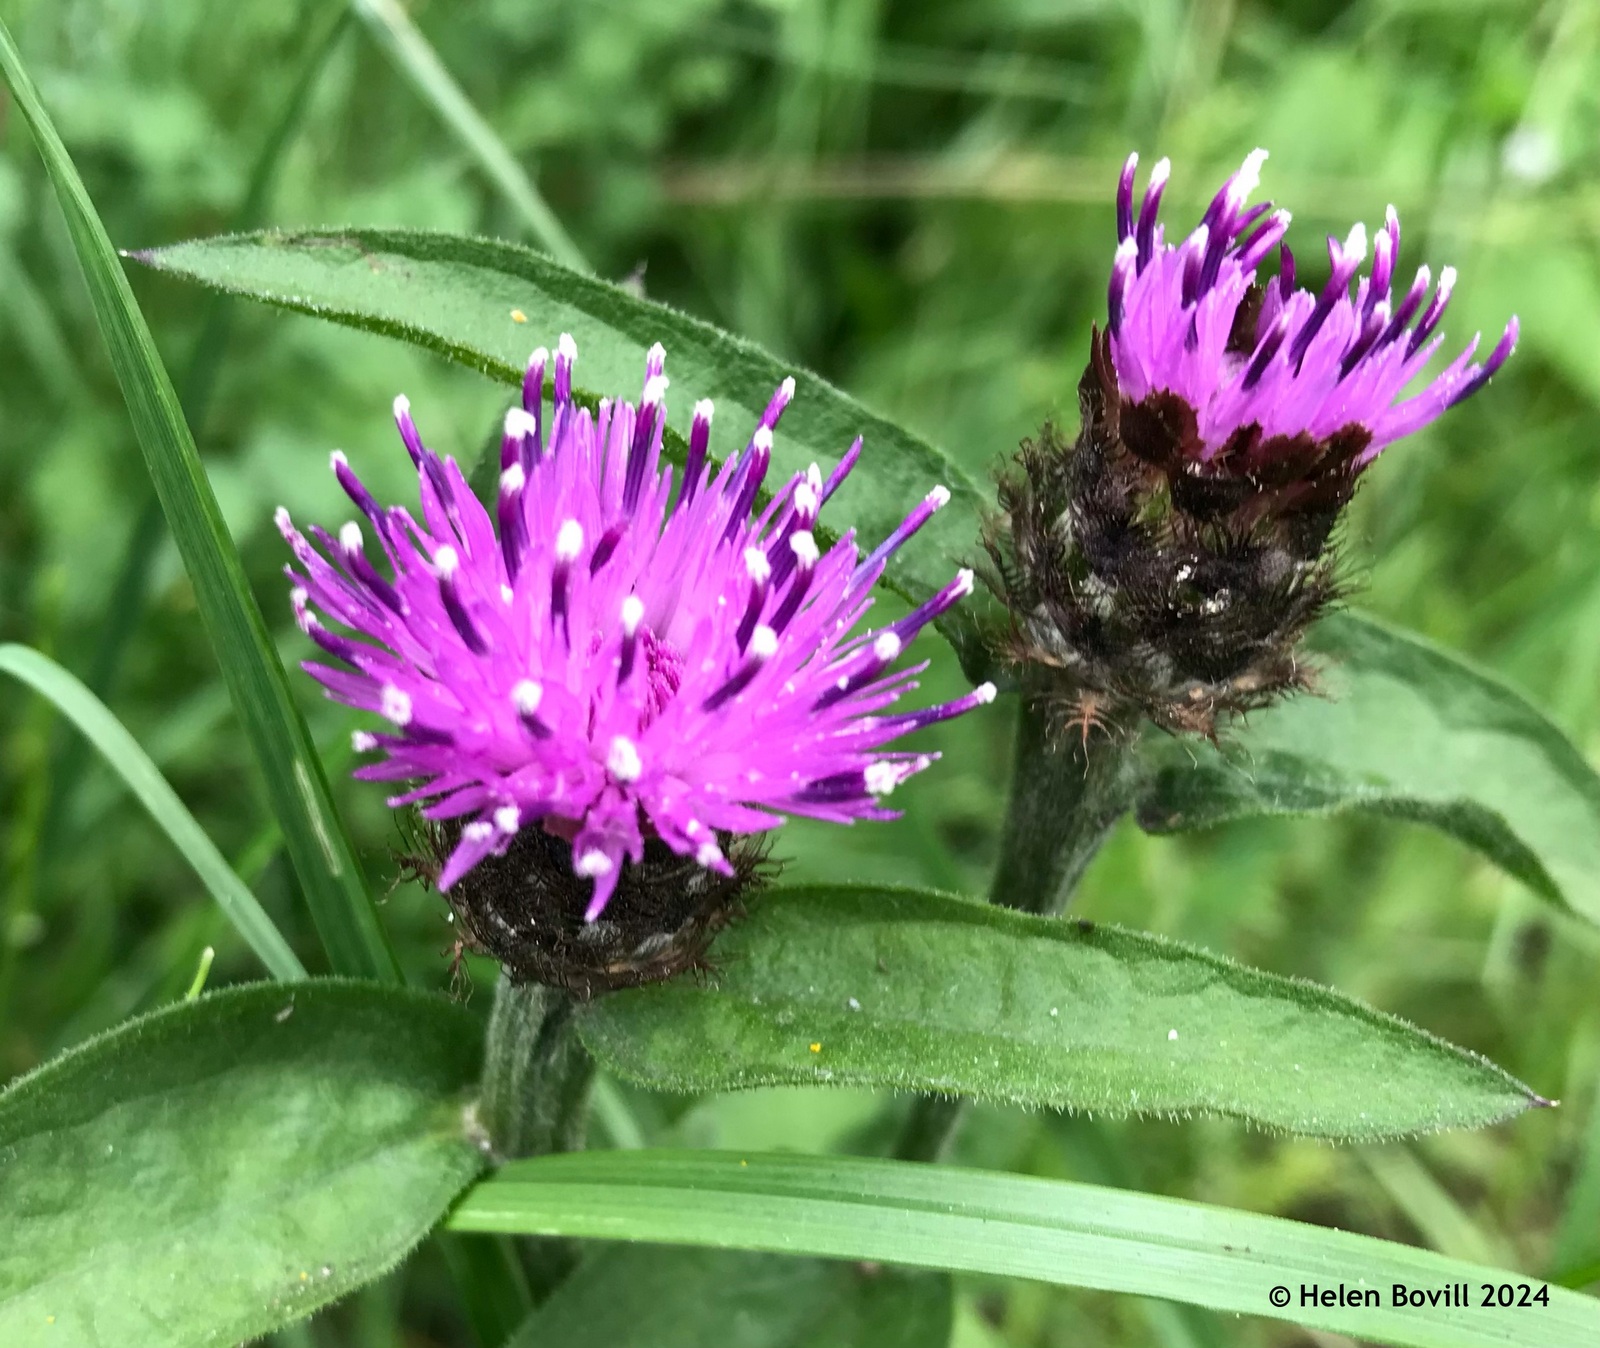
x=125, y=607
x=417, y=61
x=1075, y=1235
x=124, y=756
x=322, y=855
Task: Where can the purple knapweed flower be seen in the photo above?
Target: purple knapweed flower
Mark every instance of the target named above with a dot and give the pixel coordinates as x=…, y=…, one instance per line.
x=1307, y=365
x=608, y=661
x=1165, y=564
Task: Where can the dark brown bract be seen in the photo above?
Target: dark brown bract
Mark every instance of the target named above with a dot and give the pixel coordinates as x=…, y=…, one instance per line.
x=1154, y=583
x=525, y=909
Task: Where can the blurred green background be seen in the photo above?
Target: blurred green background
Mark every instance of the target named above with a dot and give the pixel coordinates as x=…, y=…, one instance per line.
x=914, y=199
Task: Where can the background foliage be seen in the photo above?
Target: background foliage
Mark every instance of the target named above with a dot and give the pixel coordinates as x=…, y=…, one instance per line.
x=913, y=200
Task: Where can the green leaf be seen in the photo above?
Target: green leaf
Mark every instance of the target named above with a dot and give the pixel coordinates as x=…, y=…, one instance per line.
x=124, y=756
x=1409, y=730
x=457, y=296
x=403, y=43
x=1079, y=1235
x=641, y=1297
x=323, y=858
x=924, y=992
x=223, y=1167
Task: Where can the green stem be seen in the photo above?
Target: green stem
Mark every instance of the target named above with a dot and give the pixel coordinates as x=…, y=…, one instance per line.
x=536, y=1075
x=1067, y=792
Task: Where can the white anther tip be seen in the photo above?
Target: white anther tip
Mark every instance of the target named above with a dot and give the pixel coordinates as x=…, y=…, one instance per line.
x=394, y=705
x=507, y=818
x=280, y=517
x=592, y=864
x=763, y=642
x=622, y=761
x=756, y=565
x=567, y=349
x=887, y=646
x=939, y=497
x=446, y=561
x=881, y=778
x=1127, y=250
x=569, y=541
x=632, y=614
x=762, y=440
x=1355, y=243
x=513, y=479
x=964, y=581
x=787, y=387
x=526, y=696
x=478, y=831
x=655, y=390
x=804, y=547
x=363, y=742
x=402, y=407
x=540, y=357
x=984, y=693
x=703, y=409
x=337, y=460
x=521, y=423
x=350, y=536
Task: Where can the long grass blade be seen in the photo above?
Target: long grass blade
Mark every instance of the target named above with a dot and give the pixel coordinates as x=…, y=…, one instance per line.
x=420, y=65
x=141, y=776
x=296, y=786
x=1077, y=1235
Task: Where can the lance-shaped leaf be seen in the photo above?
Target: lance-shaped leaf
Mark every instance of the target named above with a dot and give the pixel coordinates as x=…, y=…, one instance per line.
x=924, y=992
x=648, y=1297
x=1405, y=729
x=486, y=304
x=223, y=1167
x=1078, y=1235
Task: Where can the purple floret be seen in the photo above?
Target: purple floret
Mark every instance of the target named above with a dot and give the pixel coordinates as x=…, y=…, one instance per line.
x=1309, y=364
x=605, y=661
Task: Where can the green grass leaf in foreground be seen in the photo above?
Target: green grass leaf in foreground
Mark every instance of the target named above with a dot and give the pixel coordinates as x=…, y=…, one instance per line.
x=972, y=1221
x=124, y=756
x=652, y=1297
x=323, y=858
x=223, y=1167
x=458, y=296
x=1406, y=729
x=916, y=991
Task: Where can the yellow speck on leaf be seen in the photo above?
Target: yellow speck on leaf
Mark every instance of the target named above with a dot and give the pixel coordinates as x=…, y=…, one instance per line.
x=49, y=1319
x=517, y=316
x=816, y=1048
x=304, y=1276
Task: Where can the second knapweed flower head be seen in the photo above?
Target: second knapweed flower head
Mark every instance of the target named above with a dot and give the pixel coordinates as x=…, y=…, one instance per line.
x=599, y=701
x=1167, y=563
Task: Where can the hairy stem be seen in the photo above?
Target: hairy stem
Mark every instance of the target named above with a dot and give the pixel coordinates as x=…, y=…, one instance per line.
x=536, y=1075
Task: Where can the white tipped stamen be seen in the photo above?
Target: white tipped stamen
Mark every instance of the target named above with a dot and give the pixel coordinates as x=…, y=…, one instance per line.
x=569, y=541
x=756, y=566
x=632, y=614
x=1249, y=174
x=513, y=479
x=566, y=348
x=363, y=741
x=938, y=498
x=337, y=460
x=1355, y=244
x=478, y=831
x=984, y=693
x=704, y=409
x=350, y=536
x=280, y=517
x=887, y=646
x=963, y=585
x=402, y=407
x=807, y=500
x=593, y=864
x=541, y=356
x=623, y=761
x=882, y=778
x=1447, y=280
x=298, y=598
x=763, y=643
x=762, y=439
x=521, y=423
x=395, y=705
x=788, y=388
x=526, y=697
x=1159, y=173
x=446, y=561
x=507, y=594
x=655, y=391
x=708, y=853
x=1127, y=250
x=507, y=818
x=805, y=548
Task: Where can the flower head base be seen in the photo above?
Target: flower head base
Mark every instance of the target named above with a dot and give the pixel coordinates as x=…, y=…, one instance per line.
x=1167, y=563
x=616, y=665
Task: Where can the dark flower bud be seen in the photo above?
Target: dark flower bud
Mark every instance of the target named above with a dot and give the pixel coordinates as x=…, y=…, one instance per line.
x=1167, y=562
